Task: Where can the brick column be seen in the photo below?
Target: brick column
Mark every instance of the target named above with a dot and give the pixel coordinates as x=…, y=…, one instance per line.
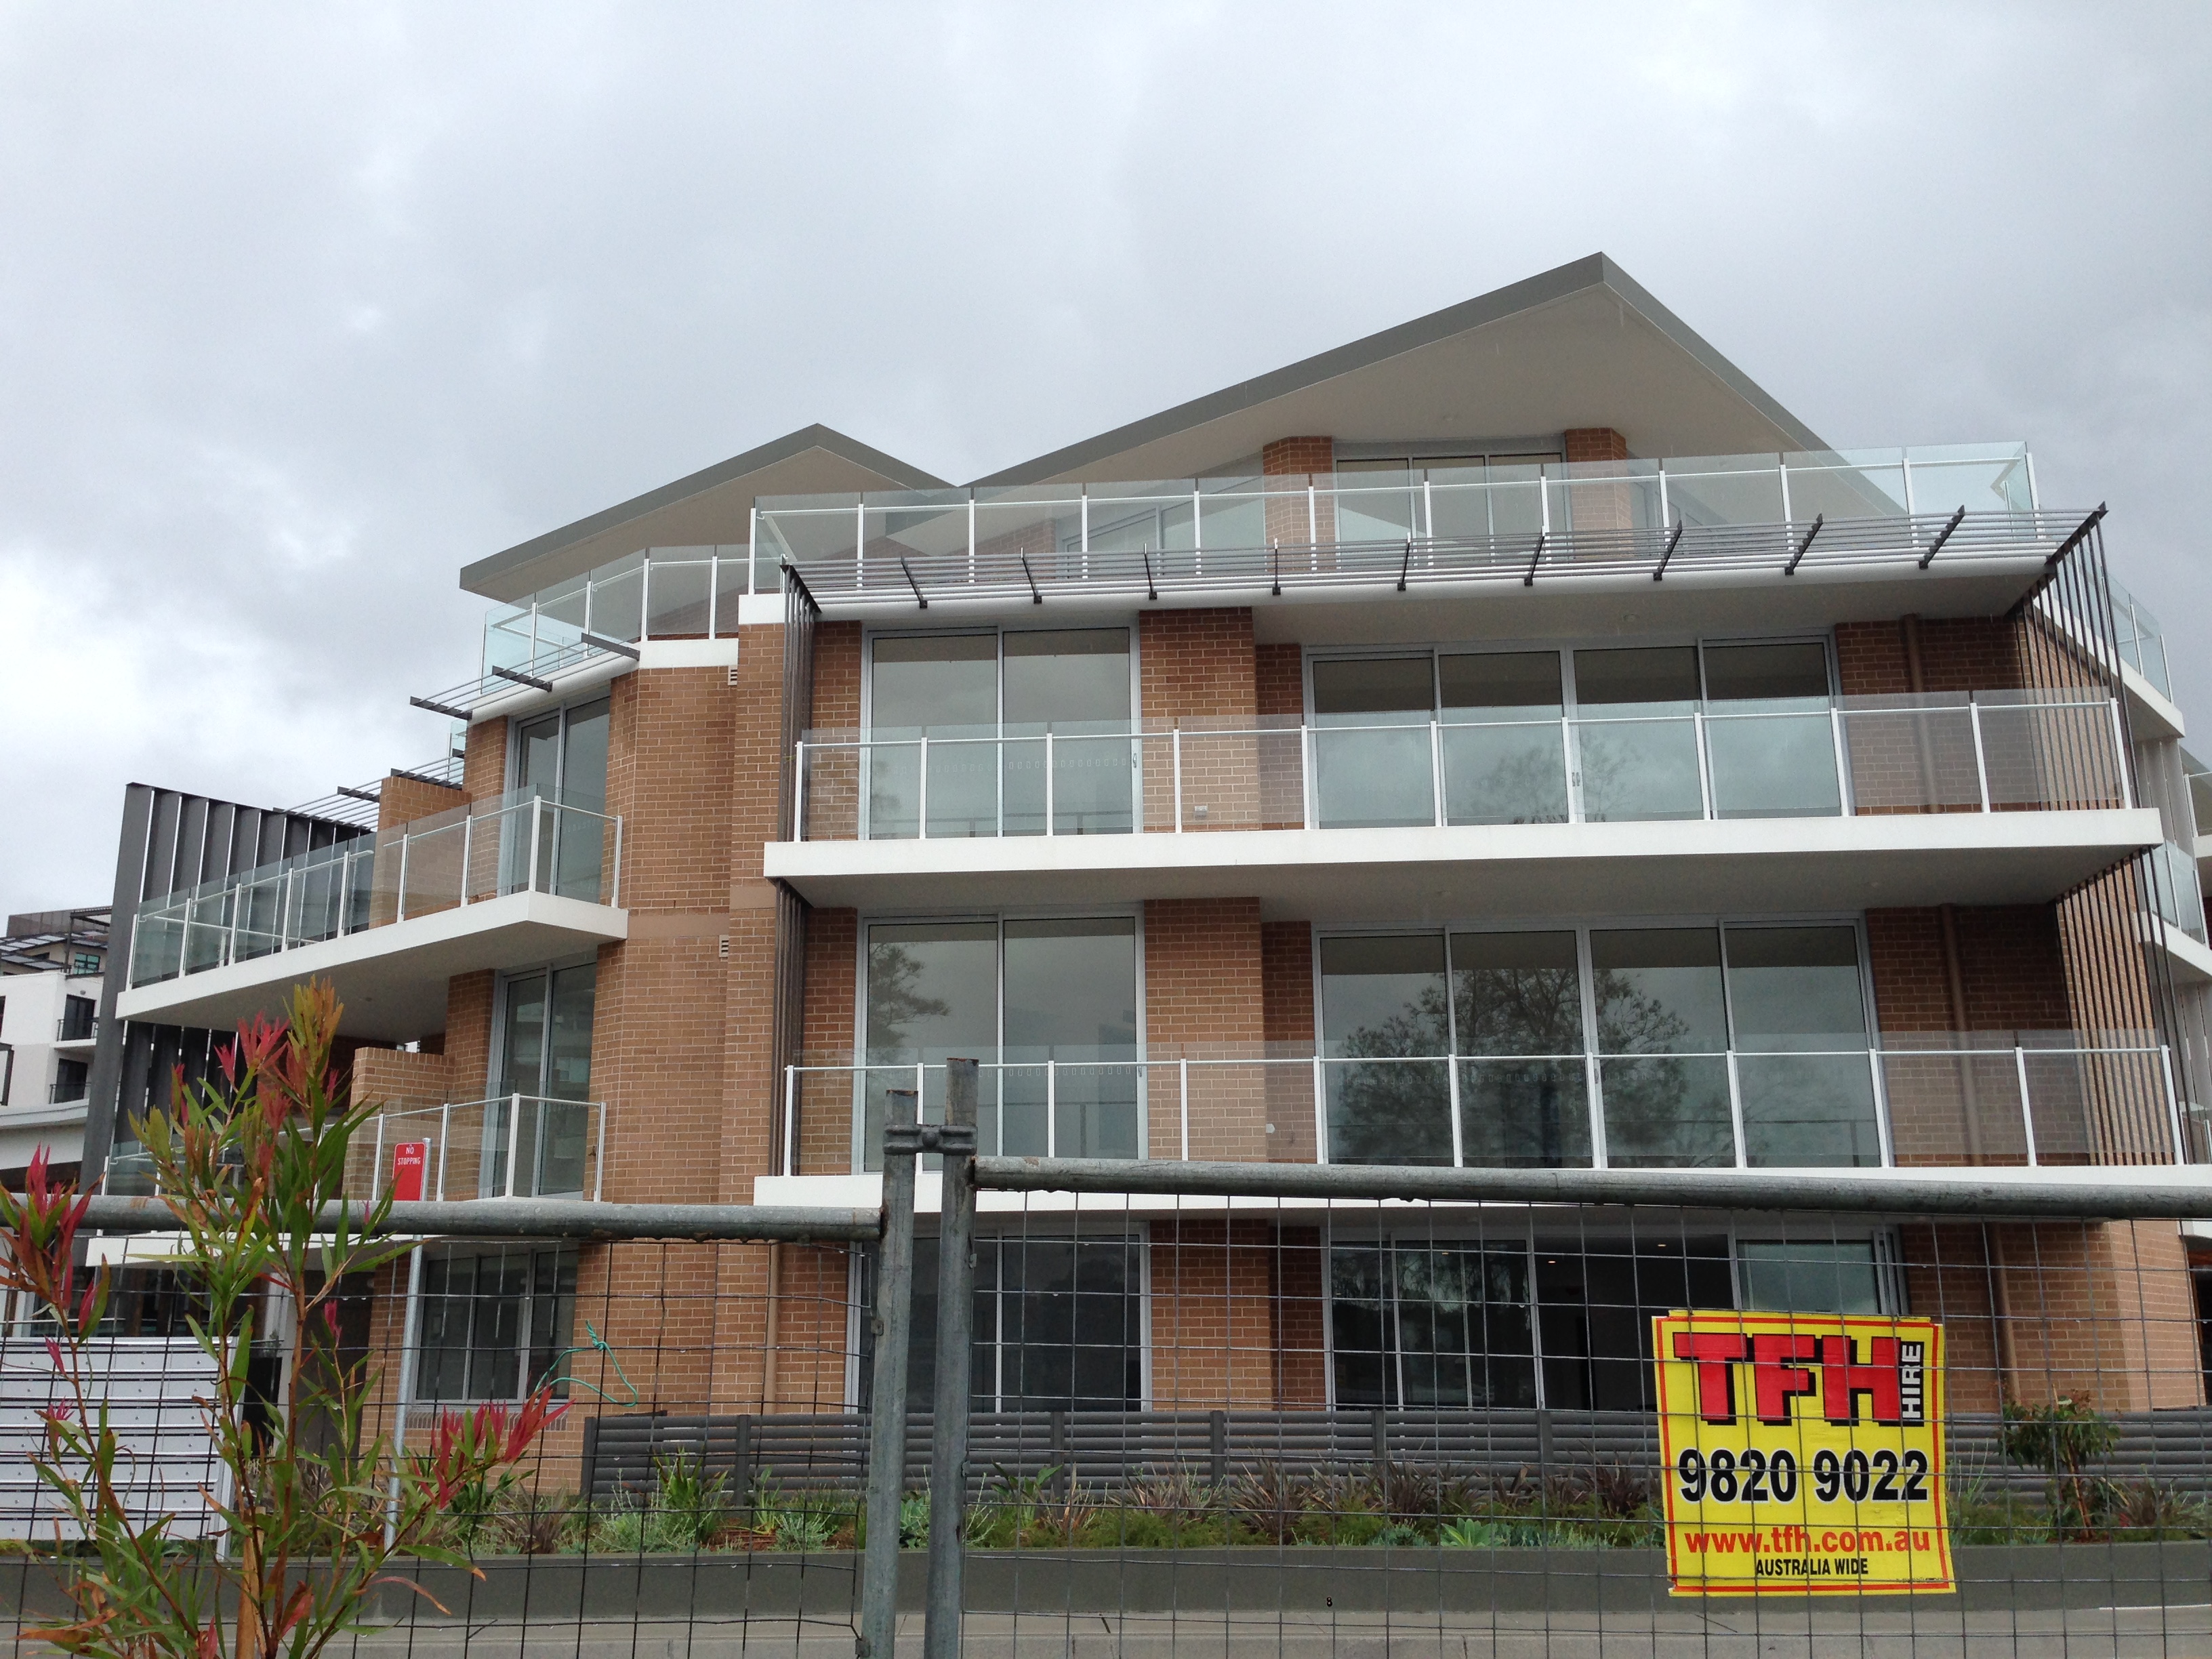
x=1287, y=518
x=1594, y=443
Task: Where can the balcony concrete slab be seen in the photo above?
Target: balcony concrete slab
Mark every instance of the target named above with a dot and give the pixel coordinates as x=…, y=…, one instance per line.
x=391, y=979
x=1735, y=866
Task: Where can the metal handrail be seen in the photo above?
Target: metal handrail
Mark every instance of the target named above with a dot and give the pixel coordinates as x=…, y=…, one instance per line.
x=1144, y=1071
x=496, y=1134
x=2091, y=774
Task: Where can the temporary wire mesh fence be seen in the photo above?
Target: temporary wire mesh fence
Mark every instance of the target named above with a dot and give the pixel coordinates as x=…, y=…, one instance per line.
x=1311, y=1410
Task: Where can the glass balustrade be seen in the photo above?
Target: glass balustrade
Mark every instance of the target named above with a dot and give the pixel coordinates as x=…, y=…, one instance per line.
x=1980, y=1100
x=518, y=843
x=1372, y=768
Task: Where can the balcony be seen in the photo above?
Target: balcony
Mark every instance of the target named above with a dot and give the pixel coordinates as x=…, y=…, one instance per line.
x=499, y=884
x=1917, y=517
x=509, y=1147
x=1985, y=1100
x=1989, y=798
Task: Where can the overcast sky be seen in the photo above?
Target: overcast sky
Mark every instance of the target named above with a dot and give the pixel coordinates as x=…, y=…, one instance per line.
x=302, y=307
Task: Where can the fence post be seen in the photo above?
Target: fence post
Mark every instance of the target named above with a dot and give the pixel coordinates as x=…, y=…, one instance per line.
x=955, y=1318
x=1217, y=1436
x=887, y=1401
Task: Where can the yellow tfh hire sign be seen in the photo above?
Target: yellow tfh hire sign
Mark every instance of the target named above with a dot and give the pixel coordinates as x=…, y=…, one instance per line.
x=1804, y=1454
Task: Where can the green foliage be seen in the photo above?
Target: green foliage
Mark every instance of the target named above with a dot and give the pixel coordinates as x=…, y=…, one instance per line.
x=246, y=1166
x=2060, y=1437
x=914, y=1522
x=690, y=1504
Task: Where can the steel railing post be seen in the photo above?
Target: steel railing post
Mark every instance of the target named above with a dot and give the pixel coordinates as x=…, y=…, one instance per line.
x=1051, y=1107
x=444, y=1137
x=790, y=1119
x=2026, y=1108
x=617, y=862
x=1320, y=1115
x=955, y=1316
x=1050, y=824
x=1183, y=1100
x=1845, y=796
x=799, y=794
x=1309, y=788
x=1436, y=771
x=1697, y=729
x=2173, y=1101
x=893, y=1316
x=403, y=839
x=1174, y=759
x=537, y=816
x=468, y=824
x=2119, y=752
x=921, y=825
x=1981, y=760
x=376, y=1159
x=513, y=1138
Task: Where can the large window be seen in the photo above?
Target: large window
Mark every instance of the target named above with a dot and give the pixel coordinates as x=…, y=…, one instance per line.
x=1562, y=1320
x=562, y=756
x=1059, y=1325
x=1611, y=732
x=1696, y=1046
x=494, y=1323
x=544, y=1078
x=1049, y=1006
x=987, y=734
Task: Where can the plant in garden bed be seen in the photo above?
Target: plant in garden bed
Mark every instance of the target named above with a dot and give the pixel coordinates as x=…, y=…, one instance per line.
x=2060, y=1437
x=246, y=1166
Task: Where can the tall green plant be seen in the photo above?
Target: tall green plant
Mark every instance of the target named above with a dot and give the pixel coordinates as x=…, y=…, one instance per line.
x=2060, y=1437
x=317, y=1510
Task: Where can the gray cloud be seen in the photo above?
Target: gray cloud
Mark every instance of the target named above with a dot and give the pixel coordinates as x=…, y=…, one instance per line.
x=302, y=308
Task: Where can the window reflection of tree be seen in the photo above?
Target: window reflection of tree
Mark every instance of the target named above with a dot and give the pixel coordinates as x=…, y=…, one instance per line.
x=1535, y=1113
x=1526, y=785
x=1657, y=1104
x=895, y=999
x=1397, y=1112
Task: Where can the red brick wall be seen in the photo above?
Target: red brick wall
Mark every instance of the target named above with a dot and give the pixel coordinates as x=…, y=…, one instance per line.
x=468, y=1033
x=1196, y=665
x=1957, y=653
x=836, y=677
x=1216, y=1336
x=2010, y=967
x=1596, y=443
x=1286, y=980
x=1294, y=455
x=484, y=769
x=1202, y=995
x=1280, y=673
x=403, y=800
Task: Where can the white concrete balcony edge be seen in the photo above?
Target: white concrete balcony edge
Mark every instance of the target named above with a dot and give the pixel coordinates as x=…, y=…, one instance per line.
x=391, y=979
x=1734, y=866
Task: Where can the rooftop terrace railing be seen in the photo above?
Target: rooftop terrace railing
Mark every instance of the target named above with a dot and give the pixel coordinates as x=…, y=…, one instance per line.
x=512, y=843
x=2141, y=642
x=1729, y=515
x=1989, y=751
x=2028, y=1099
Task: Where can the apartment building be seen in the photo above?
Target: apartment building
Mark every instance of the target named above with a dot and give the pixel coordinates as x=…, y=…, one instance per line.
x=50, y=963
x=1513, y=738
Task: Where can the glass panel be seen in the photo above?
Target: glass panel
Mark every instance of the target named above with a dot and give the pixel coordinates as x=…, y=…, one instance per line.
x=581, y=837
x=1072, y=996
x=1464, y=1332
x=1842, y=487
x=1658, y=992
x=1140, y=518
x=1769, y=741
x=1074, y=684
x=1796, y=989
x=932, y=994
x=569, y=1057
x=1368, y=776
x=1382, y=997
x=1634, y=765
x=1811, y=1277
x=619, y=599
x=537, y=758
x=731, y=572
x=946, y=687
x=1359, y=1311
x=1598, y=1296
x=1808, y=1111
x=1384, y=507
x=820, y=534
x=1497, y=771
x=1729, y=490
x=927, y=528
x=1012, y=525
x=1943, y=480
x=560, y=612
x=1232, y=513
x=1592, y=497
x=1071, y=1330
x=677, y=594
x=1521, y=993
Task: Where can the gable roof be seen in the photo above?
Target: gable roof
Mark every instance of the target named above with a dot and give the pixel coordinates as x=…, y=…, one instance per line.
x=711, y=506
x=1584, y=344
